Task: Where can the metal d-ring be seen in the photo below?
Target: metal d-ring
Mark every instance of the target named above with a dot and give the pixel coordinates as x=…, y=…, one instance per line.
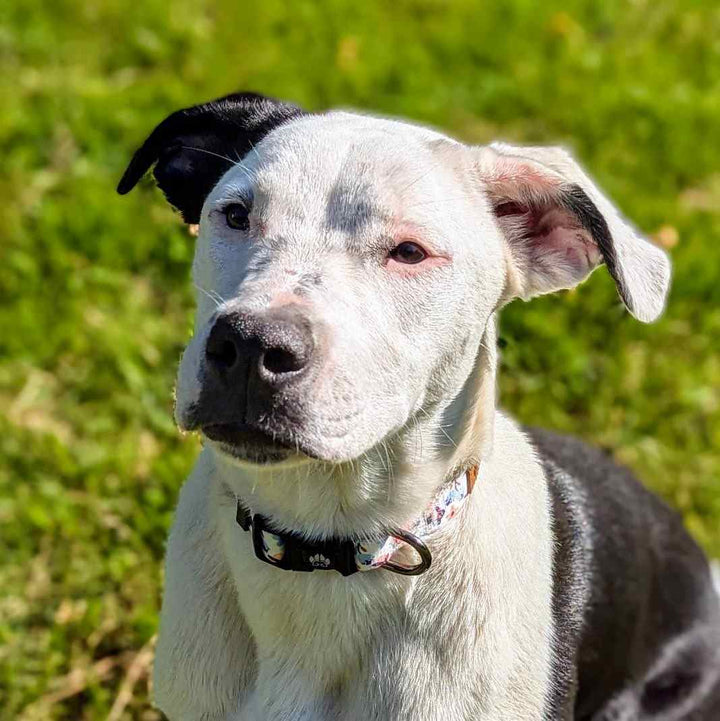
x=422, y=550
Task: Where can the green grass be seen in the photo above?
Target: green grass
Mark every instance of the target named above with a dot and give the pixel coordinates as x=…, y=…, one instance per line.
x=95, y=302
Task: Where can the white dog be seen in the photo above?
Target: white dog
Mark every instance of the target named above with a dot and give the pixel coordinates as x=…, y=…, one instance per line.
x=350, y=271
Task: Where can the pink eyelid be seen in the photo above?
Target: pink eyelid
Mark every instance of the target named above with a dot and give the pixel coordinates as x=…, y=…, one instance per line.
x=432, y=261
x=407, y=233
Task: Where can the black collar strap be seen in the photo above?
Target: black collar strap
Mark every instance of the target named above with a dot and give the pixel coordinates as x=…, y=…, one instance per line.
x=291, y=552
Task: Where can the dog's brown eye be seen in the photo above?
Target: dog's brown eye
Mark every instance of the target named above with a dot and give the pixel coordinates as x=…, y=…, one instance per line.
x=409, y=253
x=236, y=215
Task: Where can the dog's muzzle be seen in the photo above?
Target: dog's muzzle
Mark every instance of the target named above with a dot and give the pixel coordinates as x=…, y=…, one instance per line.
x=251, y=363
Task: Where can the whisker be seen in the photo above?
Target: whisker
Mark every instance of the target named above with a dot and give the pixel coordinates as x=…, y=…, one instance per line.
x=253, y=148
x=419, y=438
x=214, y=297
x=437, y=201
x=417, y=180
x=234, y=163
x=248, y=171
x=440, y=428
x=209, y=152
x=389, y=470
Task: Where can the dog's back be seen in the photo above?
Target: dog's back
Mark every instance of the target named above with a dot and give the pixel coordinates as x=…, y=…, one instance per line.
x=638, y=618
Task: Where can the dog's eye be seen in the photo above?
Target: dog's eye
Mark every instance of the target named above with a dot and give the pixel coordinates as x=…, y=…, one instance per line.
x=237, y=216
x=409, y=253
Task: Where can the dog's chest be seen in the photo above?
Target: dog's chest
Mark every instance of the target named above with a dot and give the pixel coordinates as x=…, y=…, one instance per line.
x=319, y=625
x=379, y=646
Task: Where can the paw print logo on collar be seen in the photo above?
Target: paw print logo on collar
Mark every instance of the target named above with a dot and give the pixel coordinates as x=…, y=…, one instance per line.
x=319, y=561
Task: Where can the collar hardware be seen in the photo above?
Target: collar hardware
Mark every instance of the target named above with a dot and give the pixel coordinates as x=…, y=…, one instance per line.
x=290, y=551
x=416, y=544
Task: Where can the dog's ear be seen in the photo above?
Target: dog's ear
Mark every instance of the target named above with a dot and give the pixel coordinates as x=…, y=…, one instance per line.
x=559, y=227
x=193, y=147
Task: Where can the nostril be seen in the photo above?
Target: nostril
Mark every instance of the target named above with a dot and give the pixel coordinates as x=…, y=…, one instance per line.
x=281, y=360
x=223, y=354
x=274, y=345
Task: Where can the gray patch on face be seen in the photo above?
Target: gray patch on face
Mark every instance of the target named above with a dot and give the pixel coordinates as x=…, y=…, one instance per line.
x=308, y=281
x=349, y=208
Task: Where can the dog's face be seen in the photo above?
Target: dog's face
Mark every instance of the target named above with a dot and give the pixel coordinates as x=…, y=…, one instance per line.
x=356, y=238
x=348, y=266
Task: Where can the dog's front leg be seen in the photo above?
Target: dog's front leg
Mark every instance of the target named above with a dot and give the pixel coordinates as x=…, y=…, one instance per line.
x=278, y=707
x=284, y=692
x=205, y=656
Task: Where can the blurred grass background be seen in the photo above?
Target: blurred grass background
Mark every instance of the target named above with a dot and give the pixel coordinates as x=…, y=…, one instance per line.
x=95, y=302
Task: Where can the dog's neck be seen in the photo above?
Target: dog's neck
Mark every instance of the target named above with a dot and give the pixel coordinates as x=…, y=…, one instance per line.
x=391, y=484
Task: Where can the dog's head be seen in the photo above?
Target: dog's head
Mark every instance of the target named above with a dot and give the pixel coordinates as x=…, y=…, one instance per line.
x=347, y=268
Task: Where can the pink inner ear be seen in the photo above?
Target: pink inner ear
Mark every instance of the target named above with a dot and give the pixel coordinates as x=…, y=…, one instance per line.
x=550, y=246
x=510, y=207
x=560, y=232
x=522, y=179
x=523, y=217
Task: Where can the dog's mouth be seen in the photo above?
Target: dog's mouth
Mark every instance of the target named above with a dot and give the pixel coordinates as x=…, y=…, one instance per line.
x=253, y=445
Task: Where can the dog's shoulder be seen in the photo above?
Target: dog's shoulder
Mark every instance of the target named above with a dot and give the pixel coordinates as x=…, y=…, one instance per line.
x=623, y=562
x=614, y=515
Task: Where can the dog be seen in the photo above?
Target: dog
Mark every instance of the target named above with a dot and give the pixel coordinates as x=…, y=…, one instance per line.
x=365, y=535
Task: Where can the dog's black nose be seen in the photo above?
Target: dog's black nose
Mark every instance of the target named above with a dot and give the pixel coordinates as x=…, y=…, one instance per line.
x=276, y=346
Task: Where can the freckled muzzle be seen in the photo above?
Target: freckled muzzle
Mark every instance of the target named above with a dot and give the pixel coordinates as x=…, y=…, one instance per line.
x=253, y=365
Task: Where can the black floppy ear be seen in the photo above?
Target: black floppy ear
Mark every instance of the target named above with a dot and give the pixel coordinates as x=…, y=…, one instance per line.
x=194, y=147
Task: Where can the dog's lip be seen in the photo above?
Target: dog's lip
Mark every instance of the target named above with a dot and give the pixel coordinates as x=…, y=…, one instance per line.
x=234, y=434
x=245, y=440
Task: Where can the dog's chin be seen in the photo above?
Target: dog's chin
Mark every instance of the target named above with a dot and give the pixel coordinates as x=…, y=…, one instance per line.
x=250, y=446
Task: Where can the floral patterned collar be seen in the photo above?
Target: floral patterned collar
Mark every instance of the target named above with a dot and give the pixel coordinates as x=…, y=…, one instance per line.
x=290, y=551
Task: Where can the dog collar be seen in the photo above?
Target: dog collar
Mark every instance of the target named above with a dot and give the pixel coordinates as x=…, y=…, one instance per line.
x=289, y=551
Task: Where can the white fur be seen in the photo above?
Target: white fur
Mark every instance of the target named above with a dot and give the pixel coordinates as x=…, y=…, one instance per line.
x=407, y=396
x=469, y=639
x=715, y=569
